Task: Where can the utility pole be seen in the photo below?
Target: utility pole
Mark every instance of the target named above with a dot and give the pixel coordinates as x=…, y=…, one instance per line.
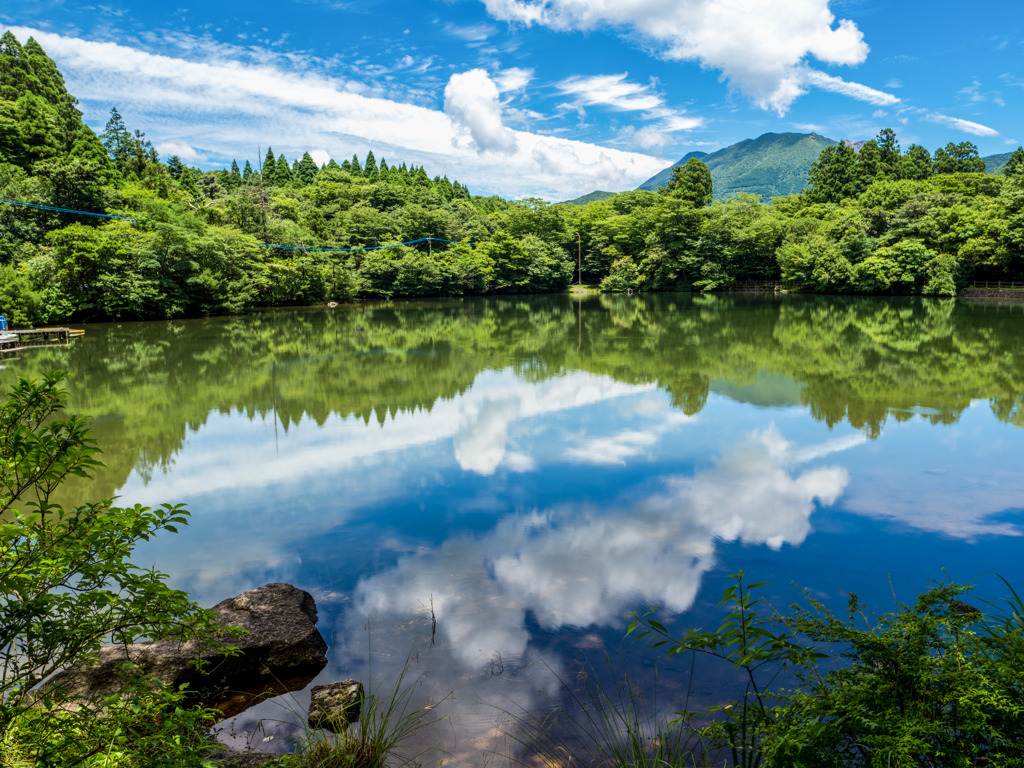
x=579, y=256
x=263, y=199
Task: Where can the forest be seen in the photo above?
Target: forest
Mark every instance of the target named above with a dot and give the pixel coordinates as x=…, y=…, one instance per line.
x=166, y=240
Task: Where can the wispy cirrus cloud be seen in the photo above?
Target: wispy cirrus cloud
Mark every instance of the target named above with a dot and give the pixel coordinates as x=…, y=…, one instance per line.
x=852, y=90
x=967, y=126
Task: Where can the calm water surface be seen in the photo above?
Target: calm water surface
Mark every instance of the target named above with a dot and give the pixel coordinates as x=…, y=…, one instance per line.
x=529, y=470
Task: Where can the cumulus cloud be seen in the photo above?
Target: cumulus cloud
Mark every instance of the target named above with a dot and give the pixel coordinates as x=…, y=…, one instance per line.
x=184, y=151
x=224, y=102
x=967, y=126
x=611, y=91
x=759, y=47
x=471, y=100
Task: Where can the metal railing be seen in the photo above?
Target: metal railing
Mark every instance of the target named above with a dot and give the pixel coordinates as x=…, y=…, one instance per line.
x=997, y=284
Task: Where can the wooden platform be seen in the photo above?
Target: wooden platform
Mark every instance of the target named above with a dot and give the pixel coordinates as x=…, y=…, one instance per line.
x=12, y=342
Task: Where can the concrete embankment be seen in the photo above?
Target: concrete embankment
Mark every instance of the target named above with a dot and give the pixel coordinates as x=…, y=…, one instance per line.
x=993, y=293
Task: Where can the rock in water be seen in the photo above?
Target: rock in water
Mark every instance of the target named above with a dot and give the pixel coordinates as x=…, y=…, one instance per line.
x=281, y=651
x=334, y=707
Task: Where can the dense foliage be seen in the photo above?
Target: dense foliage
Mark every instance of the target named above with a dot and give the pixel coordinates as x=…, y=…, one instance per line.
x=194, y=243
x=66, y=587
x=932, y=684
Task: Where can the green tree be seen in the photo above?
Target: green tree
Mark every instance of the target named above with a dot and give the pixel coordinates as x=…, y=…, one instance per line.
x=691, y=181
x=1015, y=163
x=889, y=153
x=175, y=167
x=833, y=176
x=915, y=164
x=130, y=152
x=306, y=169
x=269, y=169
x=283, y=174
x=958, y=158
x=69, y=585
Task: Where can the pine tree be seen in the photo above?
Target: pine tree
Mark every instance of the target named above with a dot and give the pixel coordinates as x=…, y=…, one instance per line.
x=269, y=169
x=247, y=172
x=305, y=170
x=833, y=176
x=355, y=169
x=234, y=170
x=370, y=169
x=175, y=167
x=383, y=169
x=889, y=149
x=284, y=171
x=116, y=139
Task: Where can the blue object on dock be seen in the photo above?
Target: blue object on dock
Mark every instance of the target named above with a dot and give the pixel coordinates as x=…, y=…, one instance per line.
x=3, y=323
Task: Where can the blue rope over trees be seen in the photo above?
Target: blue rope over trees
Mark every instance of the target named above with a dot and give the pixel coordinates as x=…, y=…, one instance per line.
x=55, y=209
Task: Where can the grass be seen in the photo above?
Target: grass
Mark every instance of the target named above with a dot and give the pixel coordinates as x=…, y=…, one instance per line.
x=602, y=727
x=384, y=736
x=387, y=734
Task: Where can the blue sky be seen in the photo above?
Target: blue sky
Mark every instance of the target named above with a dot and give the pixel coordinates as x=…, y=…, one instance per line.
x=547, y=98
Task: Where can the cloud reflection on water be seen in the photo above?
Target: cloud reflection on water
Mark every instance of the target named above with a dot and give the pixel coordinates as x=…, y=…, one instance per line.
x=575, y=566
x=581, y=564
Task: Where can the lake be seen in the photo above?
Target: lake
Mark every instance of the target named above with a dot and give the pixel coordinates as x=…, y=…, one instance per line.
x=483, y=489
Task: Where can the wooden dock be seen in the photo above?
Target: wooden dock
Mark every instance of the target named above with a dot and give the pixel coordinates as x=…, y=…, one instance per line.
x=13, y=342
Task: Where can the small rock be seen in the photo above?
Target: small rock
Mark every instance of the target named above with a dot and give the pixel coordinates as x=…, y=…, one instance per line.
x=335, y=706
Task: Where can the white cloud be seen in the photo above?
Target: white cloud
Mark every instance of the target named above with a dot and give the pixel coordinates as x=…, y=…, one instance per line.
x=647, y=137
x=852, y=90
x=759, y=47
x=967, y=126
x=224, y=102
x=320, y=156
x=973, y=92
x=513, y=79
x=610, y=90
x=471, y=101
x=184, y=151
x=473, y=33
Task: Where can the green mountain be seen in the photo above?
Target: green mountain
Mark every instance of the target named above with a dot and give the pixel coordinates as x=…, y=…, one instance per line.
x=996, y=163
x=593, y=197
x=771, y=165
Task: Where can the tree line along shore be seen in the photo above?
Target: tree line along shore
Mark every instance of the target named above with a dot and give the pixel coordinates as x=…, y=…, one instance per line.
x=160, y=239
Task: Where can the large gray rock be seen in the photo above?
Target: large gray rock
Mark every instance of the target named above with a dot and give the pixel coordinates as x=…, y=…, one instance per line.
x=281, y=651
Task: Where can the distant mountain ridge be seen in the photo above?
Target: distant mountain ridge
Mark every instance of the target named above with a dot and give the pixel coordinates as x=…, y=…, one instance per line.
x=996, y=163
x=771, y=165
